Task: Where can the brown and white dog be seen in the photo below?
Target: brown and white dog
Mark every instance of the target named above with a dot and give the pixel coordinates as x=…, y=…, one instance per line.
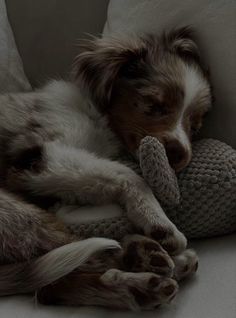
x=61, y=144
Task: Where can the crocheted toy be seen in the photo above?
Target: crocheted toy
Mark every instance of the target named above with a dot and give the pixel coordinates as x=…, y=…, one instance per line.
x=207, y=187
x=201, y=200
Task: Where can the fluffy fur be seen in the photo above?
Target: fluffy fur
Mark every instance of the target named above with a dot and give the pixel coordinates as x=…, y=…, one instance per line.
x=148, y=85
x=60, y=144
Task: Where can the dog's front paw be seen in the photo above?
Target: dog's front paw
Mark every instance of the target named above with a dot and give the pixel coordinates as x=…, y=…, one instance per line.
x=171, y=239
x=147, y=214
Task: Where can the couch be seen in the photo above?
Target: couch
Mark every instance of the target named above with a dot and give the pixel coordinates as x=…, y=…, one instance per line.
x=46, y=34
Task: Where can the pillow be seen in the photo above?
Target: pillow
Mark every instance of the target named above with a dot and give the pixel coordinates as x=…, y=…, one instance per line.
x=215, y=24
x=12, y=77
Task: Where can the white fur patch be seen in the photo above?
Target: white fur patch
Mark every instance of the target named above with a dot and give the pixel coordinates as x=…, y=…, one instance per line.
x=193, y=84
x=179, y=133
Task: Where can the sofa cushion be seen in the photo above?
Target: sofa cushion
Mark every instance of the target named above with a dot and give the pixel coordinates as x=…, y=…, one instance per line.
x=47, y=33
x=12, y=76
x=215, y=24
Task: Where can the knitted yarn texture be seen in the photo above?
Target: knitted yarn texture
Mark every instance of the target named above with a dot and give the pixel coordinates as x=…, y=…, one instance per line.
x=201, y=200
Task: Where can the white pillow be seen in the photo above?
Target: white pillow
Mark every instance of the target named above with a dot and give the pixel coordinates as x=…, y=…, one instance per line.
x=215, y=24
x=12, y=77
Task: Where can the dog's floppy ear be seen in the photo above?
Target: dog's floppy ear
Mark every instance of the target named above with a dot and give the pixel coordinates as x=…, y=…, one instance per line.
x=103, y=61
x=181, y=41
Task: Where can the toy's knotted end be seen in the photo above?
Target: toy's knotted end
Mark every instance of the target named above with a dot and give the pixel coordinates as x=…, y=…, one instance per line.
x=157, y=171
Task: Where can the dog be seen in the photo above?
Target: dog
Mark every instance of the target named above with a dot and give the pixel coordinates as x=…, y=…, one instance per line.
x=61, y=143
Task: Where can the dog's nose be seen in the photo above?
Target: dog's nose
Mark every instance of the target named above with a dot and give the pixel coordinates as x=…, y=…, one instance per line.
x=178, y=155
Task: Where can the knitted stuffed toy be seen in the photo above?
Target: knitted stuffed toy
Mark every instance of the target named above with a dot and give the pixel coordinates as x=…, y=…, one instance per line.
x=204, y=205
x=201, y=200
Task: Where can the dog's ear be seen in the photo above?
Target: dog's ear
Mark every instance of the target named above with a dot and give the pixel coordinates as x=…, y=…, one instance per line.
x=103, y=61
x=181, y=41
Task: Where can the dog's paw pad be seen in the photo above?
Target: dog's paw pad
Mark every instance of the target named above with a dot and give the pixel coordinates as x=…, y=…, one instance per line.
x=159, y=233
x=173, y=241
x=142, y=254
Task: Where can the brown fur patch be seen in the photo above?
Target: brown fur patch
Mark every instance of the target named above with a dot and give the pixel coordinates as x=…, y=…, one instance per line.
x=72, y=289
x=131, y=256
x=27, y=231
x=181, y=41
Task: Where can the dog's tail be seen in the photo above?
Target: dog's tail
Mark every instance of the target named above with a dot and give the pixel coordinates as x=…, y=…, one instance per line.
x=29, y=276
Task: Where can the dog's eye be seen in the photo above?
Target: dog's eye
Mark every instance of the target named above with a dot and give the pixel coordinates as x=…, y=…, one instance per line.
x=156, y=109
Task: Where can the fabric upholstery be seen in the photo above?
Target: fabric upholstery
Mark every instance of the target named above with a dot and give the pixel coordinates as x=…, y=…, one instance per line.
x=47, y=33
x=12, y=76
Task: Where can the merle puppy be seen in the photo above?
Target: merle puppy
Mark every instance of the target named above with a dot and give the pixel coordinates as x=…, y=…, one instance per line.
x=62, y=142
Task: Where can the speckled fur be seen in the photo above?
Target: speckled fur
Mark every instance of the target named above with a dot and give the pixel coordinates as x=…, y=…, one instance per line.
x=56, y=143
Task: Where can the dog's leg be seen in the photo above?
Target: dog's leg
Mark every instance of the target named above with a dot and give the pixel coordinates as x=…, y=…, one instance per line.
x=76, y=176
x=114, y=288
x=26, y=231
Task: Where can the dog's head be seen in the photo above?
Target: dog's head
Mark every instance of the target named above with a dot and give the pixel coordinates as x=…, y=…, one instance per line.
x=148, y=86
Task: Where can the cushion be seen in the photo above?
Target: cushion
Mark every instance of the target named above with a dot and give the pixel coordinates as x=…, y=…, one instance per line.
x=215, y=24
x=12, y=77
x=47, y=33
